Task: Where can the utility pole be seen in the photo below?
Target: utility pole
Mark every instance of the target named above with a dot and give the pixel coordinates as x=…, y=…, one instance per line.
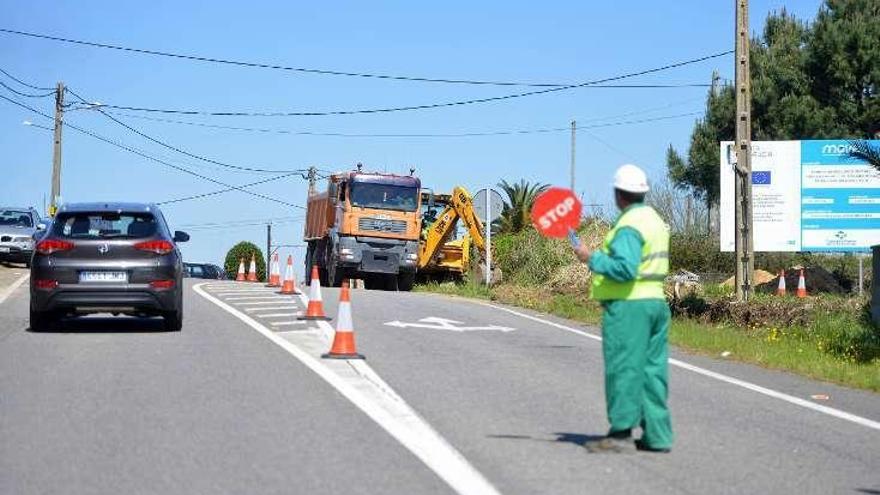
x=573, y=134
x=268, y=248
x=313, y=179
x=716, y=79
x=745, y=254
x=711, y=208
x=56, y=151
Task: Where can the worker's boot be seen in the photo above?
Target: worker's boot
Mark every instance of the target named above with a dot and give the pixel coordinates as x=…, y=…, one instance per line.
x=613, y=443
x=642, y=446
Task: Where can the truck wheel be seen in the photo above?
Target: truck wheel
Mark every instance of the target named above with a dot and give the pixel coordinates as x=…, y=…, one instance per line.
x=405, y=281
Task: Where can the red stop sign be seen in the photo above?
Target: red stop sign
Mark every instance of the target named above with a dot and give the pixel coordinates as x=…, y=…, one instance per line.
x=555, y=211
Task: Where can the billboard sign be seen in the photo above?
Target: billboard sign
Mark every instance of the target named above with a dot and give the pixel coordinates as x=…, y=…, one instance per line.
x=807, y=196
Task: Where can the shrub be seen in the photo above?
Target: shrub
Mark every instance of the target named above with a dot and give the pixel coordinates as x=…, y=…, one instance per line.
x=244, y=250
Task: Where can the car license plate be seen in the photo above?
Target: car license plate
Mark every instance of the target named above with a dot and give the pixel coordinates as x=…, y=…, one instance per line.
x=103, y=277
x=4, y=249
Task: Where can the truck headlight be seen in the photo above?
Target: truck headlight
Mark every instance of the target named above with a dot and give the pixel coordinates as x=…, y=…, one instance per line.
x=412, y=256
x=346, y=251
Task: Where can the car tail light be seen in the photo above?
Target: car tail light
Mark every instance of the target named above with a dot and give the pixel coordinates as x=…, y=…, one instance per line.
x=45, y=284
x=158, y=247
x=49, y=246
x=162, y=284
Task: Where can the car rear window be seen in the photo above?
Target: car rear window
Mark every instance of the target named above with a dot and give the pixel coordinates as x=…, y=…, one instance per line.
x=105, y=225
x=16, y=217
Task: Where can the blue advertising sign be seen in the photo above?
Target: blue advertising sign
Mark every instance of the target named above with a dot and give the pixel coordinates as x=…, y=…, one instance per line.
x=807, y=196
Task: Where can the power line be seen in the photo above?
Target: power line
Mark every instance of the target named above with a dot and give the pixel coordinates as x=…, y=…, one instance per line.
x=19, y=81
x=240, y=223
x=26, y=95
x=152, y=158
x=221, y=191
x=262, y=65
x=423, y=106
x=397, y=135
x=182, y=151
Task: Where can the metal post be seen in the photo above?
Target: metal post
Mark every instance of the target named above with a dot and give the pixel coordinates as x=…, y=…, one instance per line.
x=861, y=275
x=268, y=249
x=488, y=237
x=56, y=150
x=744, y=239
x=313, y=178
x=573, y=142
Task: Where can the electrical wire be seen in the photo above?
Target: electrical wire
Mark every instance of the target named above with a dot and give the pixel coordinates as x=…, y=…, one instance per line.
x=19, y=81
x=26, y=95
x=396, y=135
x=221, y=191
x=241, y=223
x=182, y=151
x=428, y=106
x=261, y=65
x=152, y=158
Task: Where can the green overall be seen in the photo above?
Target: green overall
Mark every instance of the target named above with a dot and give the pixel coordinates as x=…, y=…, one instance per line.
x=628, y=274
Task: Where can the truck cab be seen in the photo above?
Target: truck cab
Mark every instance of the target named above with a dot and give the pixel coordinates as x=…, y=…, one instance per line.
x=365, y=226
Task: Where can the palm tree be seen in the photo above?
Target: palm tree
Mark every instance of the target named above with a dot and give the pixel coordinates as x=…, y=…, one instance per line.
x=515, y=216
x=862, y=150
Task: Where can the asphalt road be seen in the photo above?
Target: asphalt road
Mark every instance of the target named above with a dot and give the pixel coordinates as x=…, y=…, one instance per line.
x=475, y=399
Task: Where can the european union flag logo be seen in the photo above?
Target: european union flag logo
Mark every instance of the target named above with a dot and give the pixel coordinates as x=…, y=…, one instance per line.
x=762, y=178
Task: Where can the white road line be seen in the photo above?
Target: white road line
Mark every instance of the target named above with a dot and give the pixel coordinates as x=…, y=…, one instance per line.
x=378, y=401
x=260, y=303
x=9, y=290
x=254, y=298
x=278, y=315
x=273, y=308
x=837, y=413
x=233, y=292
x=287, y=323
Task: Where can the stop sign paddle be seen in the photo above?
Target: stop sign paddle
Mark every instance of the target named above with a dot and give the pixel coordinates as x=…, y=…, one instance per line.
x=555, y=211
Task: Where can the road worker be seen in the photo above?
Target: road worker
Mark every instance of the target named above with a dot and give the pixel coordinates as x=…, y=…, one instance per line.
x=628, y=275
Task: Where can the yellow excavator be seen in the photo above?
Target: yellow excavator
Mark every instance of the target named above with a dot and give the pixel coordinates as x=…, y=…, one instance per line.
x=441, y=255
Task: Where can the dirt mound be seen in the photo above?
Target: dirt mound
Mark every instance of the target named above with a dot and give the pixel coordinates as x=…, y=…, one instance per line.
x=760, y=277
x=818, y=280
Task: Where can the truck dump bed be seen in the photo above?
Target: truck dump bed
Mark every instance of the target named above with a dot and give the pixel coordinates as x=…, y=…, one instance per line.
x=319, y=216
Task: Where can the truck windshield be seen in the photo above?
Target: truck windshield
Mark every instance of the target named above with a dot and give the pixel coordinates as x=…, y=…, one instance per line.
x=384, y=196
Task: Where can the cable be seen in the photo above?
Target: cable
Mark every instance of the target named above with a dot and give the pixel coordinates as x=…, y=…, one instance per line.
x=152, y=158
x=221, y=191
x=262, y=65
x=19, y=81
x=237, y=223
x=424, y=106
x=26, y=95
x=182, y=151
x=389, y=135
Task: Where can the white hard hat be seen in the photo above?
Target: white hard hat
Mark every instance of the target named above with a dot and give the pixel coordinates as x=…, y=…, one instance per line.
x=631, y=178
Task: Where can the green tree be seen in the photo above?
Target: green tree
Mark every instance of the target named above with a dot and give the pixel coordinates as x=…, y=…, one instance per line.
x=863, y=150
x=243, y=251
x=808, y=82
x=516, y=214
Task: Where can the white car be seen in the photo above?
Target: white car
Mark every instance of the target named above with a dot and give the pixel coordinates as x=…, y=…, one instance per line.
x=17, y=228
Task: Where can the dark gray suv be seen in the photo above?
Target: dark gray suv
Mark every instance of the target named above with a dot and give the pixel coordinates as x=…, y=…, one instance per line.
x=118, y=258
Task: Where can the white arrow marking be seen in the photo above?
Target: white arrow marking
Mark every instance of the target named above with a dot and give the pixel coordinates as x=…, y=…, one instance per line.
x=436, y=323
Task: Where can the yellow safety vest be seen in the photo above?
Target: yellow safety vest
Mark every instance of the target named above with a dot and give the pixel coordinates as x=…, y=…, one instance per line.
x=655, y=258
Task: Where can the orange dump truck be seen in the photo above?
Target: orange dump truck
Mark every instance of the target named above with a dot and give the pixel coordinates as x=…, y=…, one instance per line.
x=365, y=226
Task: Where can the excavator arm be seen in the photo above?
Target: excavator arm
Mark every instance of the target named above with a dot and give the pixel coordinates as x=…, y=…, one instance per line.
x=459, y=206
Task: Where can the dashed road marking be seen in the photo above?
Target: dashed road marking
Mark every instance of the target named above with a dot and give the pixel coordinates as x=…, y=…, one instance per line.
x=257, y=303
x=273, y=308
x=255, y=298
x=279, y=315
x=287, y=323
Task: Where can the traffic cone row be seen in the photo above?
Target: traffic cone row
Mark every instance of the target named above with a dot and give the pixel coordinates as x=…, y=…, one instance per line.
x=240, y=276
x=289, y=285
x=274, y=273
x=343, y=341
x=801, y=287
x=315, y=309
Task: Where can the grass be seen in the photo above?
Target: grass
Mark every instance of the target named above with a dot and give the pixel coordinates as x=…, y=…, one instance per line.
x=806, y=350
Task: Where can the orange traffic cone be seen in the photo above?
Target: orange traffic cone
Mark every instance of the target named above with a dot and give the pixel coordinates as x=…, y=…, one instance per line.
x=289, y=286
x=274, y=273
x=252, y=273
x=802, y=285
x=240, y=276
x=780, y=290
x=343, y=342
x=315, y=309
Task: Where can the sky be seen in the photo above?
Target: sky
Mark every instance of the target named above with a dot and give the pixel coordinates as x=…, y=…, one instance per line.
x=536, y=42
